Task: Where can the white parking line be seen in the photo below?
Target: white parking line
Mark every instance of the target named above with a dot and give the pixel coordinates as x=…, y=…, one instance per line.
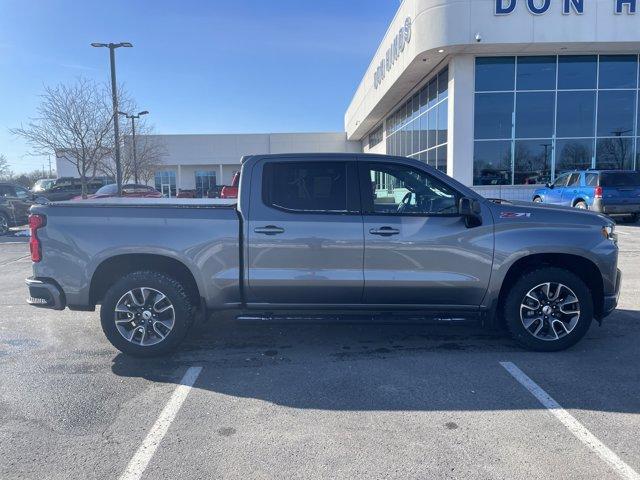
x=575, y=427
x=141, y=459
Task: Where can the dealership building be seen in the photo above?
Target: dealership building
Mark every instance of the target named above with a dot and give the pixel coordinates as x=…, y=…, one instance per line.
x=502, y=95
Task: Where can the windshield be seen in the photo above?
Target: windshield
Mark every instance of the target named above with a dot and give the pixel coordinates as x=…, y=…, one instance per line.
x=43, y=184
x=107, y=189
x=620, y=179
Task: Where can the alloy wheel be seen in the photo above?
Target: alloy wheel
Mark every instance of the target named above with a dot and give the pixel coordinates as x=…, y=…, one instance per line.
x=144, y=316
x=550, y=311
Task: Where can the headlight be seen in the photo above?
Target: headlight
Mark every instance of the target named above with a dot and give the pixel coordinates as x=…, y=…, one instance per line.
x=609, y=232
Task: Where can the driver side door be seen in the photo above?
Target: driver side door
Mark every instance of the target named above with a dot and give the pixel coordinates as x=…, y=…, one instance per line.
x=418, y=250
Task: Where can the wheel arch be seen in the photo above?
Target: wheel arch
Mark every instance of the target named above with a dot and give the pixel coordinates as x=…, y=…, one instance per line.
x=577, y=200
x=114, y=268
x=578, y=265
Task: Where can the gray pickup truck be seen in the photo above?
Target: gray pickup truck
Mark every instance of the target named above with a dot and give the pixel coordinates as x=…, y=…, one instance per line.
x=325, y=233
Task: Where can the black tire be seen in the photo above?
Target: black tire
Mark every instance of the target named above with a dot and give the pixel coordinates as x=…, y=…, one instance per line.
x=176, y=294
x=581, y=205
x=537, y=200
x=516, y=297
x=4, y=224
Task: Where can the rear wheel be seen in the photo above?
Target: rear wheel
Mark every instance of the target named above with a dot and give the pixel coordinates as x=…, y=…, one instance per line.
x=146, y=314
x=548, y=309
x=581, y=205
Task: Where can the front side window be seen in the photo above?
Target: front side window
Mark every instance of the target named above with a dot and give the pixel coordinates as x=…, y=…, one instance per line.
x=403, y=190
x=562, y=180
x=314, y=187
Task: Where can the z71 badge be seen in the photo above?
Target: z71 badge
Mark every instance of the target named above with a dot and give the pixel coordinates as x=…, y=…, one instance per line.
x=514, y=215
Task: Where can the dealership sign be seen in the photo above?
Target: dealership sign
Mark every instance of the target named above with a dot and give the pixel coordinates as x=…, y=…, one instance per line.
x=539, y=7
x=393, y=52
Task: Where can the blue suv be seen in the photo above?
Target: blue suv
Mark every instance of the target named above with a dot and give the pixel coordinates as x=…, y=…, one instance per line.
x=612, y=192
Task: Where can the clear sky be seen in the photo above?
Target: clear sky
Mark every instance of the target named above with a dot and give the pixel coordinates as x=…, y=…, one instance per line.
x=212, y=66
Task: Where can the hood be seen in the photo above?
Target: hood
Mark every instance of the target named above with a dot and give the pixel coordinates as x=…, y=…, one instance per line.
x=536, y=212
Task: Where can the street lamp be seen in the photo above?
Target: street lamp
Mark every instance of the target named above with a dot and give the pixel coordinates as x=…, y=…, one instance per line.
x=133, y=139
x=114, y=93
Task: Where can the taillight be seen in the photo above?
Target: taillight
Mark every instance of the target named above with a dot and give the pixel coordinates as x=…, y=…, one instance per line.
x=36, y=222
x=598, y=193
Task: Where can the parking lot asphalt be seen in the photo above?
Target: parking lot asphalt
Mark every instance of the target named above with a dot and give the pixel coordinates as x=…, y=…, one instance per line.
x=313, y=400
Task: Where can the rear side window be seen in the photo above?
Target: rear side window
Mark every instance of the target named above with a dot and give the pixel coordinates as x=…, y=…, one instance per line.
x=591, y=179
x=620, y=179
x=315, y=187
x=574, y=180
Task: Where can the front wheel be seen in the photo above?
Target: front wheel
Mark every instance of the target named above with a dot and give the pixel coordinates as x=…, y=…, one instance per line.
x=537, y=200
x=548, y=309
x=146, y=314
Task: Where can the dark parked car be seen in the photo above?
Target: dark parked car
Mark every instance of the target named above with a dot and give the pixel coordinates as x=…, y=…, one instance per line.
x=130, y=190
x=612, y=192
x=15, y=201
x=65, y=188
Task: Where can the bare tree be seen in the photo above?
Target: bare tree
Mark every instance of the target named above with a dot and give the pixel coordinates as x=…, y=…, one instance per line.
x=5, y=170
x=150, y=151
x=74, y=121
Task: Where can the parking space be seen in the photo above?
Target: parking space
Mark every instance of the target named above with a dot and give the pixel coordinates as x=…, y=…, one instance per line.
x=312, y=401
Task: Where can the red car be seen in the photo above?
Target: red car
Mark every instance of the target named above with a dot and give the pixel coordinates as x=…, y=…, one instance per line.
x=231, y=191
x=130, y=190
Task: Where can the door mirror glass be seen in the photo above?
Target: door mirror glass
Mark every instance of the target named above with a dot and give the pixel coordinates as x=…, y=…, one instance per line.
x=471, y=210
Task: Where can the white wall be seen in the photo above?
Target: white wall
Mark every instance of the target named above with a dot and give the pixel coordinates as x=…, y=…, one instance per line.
x=209, y=152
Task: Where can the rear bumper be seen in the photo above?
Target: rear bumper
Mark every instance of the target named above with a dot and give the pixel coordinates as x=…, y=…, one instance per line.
x=616, y=209
x=611, y=301
x=45, y=294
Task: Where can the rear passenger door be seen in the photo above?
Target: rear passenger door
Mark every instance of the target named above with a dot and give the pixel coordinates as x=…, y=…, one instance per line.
x=572, y=189
x=304, y=237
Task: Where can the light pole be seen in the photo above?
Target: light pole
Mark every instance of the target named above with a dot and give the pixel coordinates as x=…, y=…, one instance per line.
x=133, y=139
x=114, y=93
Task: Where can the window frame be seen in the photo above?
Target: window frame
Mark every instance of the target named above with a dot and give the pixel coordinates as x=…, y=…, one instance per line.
x=364, y=169
x=352, y=204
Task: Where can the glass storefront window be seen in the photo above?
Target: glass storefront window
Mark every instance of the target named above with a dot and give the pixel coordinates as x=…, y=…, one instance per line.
x=495, y=74
x=534, y=114
x=614, y=153
x=532, y=162
x=576, y=116
x=573, y=154
x=493, y=115
x=618, y=71
x=166, y=183
x=616, y=111
x=577, y=72
x=536, y=73
x=492, y=163
x=588, y=118
x=205, y=181
x=422, y=132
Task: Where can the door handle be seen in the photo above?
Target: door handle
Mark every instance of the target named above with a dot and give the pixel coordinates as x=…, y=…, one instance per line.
x=384, y=231
x=269, y=230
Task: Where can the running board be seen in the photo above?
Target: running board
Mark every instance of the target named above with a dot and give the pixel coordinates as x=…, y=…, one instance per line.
x=450, y=319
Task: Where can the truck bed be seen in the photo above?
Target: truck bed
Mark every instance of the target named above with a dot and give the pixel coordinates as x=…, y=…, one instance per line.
x=81, y=237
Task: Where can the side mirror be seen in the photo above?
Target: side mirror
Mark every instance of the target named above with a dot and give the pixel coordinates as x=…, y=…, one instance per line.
x=470, y=209
x=549, y=185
